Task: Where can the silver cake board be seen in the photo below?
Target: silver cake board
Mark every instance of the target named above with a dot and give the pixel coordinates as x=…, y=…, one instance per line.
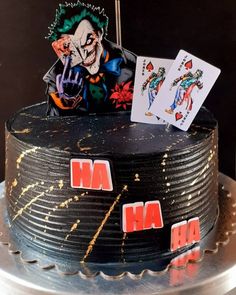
x=214, y=272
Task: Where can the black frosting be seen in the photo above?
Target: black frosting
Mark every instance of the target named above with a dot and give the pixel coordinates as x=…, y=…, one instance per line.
x=155, y=163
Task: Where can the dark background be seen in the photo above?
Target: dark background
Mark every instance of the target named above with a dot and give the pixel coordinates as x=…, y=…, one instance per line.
x=155, y=28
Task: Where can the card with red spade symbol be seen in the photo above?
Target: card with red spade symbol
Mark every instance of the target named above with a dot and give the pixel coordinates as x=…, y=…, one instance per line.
x=150, y=67
x=189, y=65
x=185, y=89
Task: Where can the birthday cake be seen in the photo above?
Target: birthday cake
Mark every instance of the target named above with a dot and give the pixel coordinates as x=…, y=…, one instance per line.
x=85, y=183
x=100, y=188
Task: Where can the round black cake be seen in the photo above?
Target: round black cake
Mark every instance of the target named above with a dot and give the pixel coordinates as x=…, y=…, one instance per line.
x=148, y=164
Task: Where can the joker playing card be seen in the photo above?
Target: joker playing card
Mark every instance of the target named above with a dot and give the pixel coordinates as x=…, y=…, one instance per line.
x=149, y=77
x=65, y=47
x=186, y=87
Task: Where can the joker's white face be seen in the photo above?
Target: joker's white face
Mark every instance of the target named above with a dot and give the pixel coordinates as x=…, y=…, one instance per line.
x=88, y=41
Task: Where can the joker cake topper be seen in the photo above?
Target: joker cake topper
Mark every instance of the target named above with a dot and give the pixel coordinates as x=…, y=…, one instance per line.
x=90, y=69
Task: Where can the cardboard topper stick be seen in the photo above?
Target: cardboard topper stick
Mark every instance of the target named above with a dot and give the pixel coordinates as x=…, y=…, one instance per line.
x=118, y=23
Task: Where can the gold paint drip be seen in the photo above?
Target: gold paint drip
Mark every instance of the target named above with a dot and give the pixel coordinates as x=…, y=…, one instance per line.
x=164, y=158
x=20, y=211
x=26, y=189
x=143, y=138
x=163, y=163
x=61, y=184
x=123, y=246
x=211, y=156
x=200, y=127
x=122, y=127
x=169, y=147
x=86, y=148
x=73, y=228
x=137, y=179
x=94, y=239
x=23, y=154
x=14, y=184
x=24, y=131
x=65, y=204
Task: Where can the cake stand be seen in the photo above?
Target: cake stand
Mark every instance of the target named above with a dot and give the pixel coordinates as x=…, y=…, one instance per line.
x=213, y=272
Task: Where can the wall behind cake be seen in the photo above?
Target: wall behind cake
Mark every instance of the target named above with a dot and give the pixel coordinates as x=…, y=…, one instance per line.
x=151, y=28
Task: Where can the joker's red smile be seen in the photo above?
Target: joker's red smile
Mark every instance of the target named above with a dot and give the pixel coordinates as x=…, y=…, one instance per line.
x=91, y=58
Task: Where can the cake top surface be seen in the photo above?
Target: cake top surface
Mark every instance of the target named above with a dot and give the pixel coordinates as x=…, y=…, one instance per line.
x=105, y=134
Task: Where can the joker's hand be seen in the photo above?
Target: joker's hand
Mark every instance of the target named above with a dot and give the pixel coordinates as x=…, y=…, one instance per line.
x=69, y=87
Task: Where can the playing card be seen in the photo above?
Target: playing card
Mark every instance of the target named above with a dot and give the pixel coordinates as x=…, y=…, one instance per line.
x=186, y=86
x=64, y=47
x=149, y=77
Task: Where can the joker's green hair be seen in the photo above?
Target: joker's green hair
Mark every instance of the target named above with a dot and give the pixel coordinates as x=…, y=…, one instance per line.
x=69, y=15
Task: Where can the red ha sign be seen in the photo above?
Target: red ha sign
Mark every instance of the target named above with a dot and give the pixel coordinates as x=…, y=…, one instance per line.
x=91, y=175
x=185, y=233
x=140, y=216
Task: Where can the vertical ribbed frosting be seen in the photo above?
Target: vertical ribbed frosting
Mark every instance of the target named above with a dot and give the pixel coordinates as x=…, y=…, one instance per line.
x=148, y=163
